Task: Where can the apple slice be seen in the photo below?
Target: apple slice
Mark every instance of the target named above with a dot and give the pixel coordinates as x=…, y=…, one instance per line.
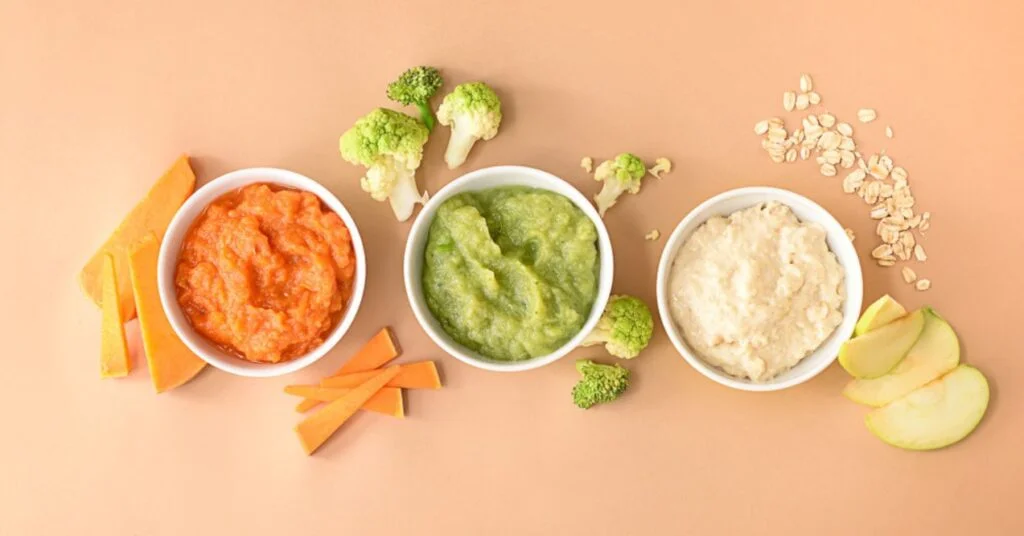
x=936, y=415
x=877, y=352
x=878, y=314
x=935, y=353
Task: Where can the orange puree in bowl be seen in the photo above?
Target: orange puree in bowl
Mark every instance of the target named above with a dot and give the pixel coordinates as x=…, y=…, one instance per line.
x=265, y=272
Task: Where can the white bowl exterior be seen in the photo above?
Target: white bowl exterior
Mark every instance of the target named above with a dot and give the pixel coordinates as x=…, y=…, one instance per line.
x=807, y=211
x=171, y=247
x=484, y=179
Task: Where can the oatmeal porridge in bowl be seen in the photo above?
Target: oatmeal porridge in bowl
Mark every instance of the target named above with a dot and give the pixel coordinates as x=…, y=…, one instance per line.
x=758, y=287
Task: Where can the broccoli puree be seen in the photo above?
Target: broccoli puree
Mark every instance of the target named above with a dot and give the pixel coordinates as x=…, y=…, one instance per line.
x=511, y=272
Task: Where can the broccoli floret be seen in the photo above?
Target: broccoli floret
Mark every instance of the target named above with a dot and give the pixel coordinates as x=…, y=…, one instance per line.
x=390, y=145
x=600, y=383
x=473, y=111
x=625, y=327
x=620, y=175
x=415, y=87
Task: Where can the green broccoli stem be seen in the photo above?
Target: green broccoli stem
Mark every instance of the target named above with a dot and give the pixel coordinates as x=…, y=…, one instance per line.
x=426, y=115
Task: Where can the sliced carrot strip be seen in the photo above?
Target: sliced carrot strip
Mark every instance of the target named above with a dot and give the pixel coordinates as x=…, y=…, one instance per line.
x=387, y=401
x=316, y=429
x=374, y=354
x=306, y=405
x=420, y=375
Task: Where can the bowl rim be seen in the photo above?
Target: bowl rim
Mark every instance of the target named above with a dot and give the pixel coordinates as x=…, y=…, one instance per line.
x=853, y=282
x=413, y=286
x=170, y=249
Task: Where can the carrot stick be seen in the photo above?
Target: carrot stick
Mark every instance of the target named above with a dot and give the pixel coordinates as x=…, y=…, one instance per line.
x=421, y=375
x=374, y=354
x=316, y=429
x=306, y=405
x=387, y=401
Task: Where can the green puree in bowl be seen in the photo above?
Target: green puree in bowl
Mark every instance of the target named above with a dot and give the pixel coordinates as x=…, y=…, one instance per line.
x=511, y=272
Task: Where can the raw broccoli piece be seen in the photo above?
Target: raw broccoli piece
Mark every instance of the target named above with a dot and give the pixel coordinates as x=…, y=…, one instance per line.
x=622, y=174
x=390, y=145
x=625, y=327
x=600, y=383
x=473, y=111
x=415, y=87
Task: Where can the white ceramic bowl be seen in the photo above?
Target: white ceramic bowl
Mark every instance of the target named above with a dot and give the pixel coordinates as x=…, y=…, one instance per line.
x=171, y=247
x=484, y=179
x=808, y=211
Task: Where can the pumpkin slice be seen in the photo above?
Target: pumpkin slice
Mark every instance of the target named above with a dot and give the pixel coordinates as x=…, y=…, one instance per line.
x=114, y=362
x=171, y=363
x=152, y=215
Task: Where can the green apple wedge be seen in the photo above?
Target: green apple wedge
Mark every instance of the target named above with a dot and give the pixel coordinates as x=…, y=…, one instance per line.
x=936, y=415
x=878, y=314
x=936, y=352
x=878, y=351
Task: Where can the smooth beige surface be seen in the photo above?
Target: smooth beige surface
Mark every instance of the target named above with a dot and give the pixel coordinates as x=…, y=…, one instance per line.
x=97, y=98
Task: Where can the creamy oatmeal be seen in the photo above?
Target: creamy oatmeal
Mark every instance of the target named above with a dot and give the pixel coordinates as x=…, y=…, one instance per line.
x=757, y=291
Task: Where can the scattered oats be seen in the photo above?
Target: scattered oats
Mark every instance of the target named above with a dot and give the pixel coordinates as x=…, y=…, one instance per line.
x=866, y=115
x=879, y=212
x=847, y=144
x=888, y=132
x=914, y=221
x=661, y=166
x=886, y=162
x=898, y=174
x=831, y=156
x=828, y=170
x=802, y=101
x=798, y=135
x=791, y=155
x=900, y=251
x=805, y=83
x=777, y=134
x=907, y=212
x=820, y=160
x=845, y=129
x=777, y=158
x=588, y=163
x=850, y=235
x=886, y=191
x=882, y=252
x=830, y=140
x=827, y=120
x=846, y=159
x=861, y=165
x=886, y=262
x=789, y=101
x=908, y=274
x=919, y=253
x=776, y=121
x=873, y=189
x=653, y=235
x=924, y=225
x=761, y=127
x=890, y=235
x=908, y=241
x=814, y=97
x=805, y=153
x=853, y=181
x=923, y=284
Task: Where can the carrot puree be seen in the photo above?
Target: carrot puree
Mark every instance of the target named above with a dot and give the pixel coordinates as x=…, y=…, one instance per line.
x=265, y=272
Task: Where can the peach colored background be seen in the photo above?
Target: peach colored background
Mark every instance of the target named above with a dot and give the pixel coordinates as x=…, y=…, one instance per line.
x=97, y=98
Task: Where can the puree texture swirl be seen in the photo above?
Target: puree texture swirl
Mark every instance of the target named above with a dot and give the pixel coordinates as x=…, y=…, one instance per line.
x=265, y=272
x=511, y=272
x=757, y=291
